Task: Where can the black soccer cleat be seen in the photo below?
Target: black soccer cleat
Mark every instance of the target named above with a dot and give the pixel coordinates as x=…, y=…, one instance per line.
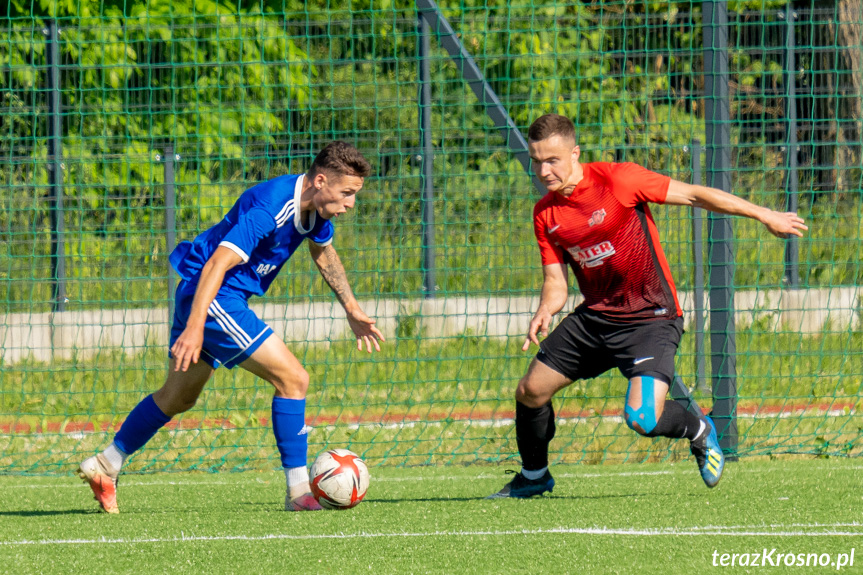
x=521, y=487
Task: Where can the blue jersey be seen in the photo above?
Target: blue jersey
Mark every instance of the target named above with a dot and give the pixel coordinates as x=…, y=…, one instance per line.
x=264, y=228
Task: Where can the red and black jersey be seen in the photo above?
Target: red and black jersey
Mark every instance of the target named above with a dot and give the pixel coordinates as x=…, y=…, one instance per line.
x=605, y=232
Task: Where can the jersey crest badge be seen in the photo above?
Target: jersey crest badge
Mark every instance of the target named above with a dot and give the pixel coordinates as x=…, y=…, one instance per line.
x=596, y=218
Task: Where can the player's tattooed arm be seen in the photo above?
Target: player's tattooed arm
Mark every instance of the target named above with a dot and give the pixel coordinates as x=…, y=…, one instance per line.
x=333, y=272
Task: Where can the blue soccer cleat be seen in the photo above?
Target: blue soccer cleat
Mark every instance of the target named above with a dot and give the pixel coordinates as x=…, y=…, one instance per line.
x=521, y=487
x=708, y=454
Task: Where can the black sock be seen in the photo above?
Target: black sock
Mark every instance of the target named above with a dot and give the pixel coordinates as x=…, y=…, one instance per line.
x=534, y=429
x=676, y=422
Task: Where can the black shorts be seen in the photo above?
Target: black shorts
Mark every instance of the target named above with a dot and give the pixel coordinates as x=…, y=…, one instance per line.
x=586, y=345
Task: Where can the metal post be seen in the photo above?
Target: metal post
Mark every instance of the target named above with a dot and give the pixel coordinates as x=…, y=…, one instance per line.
x=698, y=258
x=718, y=155
x=428, y=244
x=170, y=225
x=429, y=10
x=55, y=171
x=792, y=249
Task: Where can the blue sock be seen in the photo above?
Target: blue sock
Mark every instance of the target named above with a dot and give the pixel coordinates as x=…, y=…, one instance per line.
x=141, y=425
x=289, y=426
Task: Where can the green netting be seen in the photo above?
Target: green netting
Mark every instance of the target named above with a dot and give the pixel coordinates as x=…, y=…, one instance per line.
x=245, y=94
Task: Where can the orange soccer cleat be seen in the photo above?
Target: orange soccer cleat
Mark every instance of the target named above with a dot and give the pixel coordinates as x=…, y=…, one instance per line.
x=104, y=485
x=305, y=502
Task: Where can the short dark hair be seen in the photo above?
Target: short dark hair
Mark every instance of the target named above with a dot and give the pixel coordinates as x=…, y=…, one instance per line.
x=550, y=125
x=340, y=158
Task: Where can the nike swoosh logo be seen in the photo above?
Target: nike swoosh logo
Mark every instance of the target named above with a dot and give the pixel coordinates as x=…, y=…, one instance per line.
x=641, y=360
x=551, y=230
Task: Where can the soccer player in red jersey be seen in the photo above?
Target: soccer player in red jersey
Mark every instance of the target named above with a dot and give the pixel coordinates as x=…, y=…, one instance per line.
x=596, y=220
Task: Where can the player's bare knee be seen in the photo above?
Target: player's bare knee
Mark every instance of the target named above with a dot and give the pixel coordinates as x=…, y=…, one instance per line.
x=642, y=420
x=293, y=385
x=172, y=403
x=530, y=394
x=634, y=426
x=183, y=404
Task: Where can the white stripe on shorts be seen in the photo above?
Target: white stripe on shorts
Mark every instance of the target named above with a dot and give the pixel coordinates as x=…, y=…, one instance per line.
x=233, y=325
x=233, y=322
x=227, y=330
x=230, y=326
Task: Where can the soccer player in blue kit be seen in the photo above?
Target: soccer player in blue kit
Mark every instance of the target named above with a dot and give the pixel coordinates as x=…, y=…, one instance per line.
x=220, y=270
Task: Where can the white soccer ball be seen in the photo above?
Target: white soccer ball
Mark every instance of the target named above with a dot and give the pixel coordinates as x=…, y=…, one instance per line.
x=339, y=479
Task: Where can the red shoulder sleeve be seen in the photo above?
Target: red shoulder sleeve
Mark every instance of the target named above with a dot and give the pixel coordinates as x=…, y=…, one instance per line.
x=632, y=184
x=551, y=254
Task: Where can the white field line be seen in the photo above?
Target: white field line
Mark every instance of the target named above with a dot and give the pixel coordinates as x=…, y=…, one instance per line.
x=831, y=530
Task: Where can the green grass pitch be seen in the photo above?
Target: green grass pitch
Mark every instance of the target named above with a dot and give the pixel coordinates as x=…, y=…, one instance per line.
x=651, y=518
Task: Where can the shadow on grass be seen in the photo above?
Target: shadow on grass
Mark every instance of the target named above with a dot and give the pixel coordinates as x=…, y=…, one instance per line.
x=484, y=498
x=47, y=513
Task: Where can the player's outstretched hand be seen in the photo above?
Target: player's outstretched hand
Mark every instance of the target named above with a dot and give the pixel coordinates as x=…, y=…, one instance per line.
x=365, y=330
x=187, y=349
x=784, y=224
x=539, y=323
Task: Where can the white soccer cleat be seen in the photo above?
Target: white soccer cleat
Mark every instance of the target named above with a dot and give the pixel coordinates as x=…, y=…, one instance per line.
x=305, y=502
x=104, y=485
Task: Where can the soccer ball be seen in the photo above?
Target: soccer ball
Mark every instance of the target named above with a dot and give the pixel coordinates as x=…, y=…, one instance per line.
x=339, y=479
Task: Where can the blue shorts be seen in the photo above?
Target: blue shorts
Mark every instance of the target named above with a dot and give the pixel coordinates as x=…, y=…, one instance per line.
x=232, y=332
